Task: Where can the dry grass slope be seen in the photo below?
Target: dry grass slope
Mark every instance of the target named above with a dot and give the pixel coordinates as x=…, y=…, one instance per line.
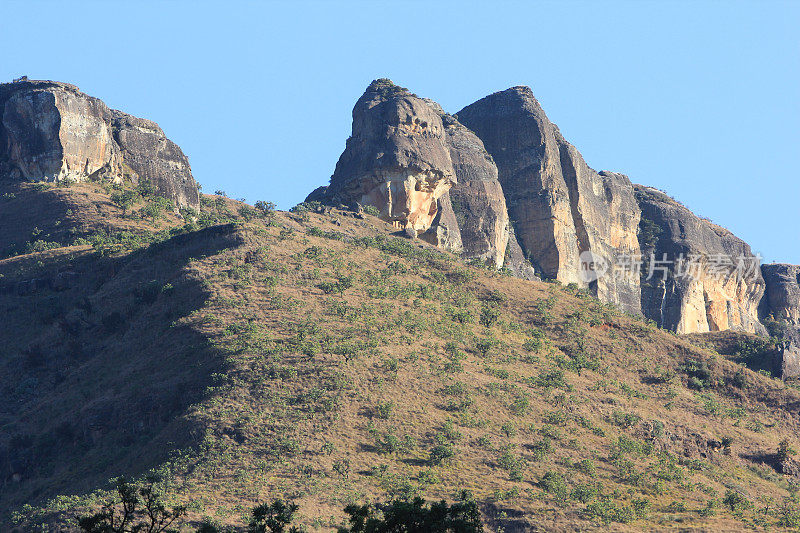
x=313, y=357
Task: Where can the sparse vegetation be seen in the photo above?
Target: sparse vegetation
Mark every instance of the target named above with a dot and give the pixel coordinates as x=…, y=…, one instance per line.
x=305, y=358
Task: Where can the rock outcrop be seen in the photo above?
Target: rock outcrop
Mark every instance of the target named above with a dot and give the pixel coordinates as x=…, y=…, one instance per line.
x=50, y=131
x=699, y=277
x=498, y=183
x=781, y=303
x=782, y=296
x=395, y=160
x=423, y=171
x=560, y=208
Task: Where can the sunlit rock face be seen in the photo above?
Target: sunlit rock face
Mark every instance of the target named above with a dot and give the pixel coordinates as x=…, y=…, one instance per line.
x=53, y=132
x=559, y=206
x=396, y=159
x=717, y=286
x=50, y=131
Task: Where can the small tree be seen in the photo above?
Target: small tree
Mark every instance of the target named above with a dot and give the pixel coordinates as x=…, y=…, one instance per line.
x=415, y=516
x=155, y=207
x=124, y=200
x=273, y=518
x=785, y=451
x=133, y=509
x=265, y=209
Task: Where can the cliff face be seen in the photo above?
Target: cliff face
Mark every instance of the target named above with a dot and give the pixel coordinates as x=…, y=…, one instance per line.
x=560, y=208
x=782, y=295
x=713, y=281
x=782, y=302
x=423, y=171
x=395, y=160
x=477, y=197
x=51, y=131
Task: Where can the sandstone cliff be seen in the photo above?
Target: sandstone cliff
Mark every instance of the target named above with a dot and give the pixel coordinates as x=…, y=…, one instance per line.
x=395, y=160
x=782, y=303
x=423, y=171
x=713, y=281
x=51, y=131
x=560, y=208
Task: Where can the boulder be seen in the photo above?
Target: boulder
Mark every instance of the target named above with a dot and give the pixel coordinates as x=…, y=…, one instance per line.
x=50, y=131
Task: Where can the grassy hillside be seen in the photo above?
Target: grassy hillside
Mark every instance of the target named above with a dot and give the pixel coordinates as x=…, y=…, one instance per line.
x=314, y=357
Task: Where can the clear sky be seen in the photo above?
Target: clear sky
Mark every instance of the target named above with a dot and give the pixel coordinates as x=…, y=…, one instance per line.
x=701, y=99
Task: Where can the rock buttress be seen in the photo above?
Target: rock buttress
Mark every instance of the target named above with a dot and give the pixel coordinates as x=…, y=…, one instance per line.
x=559, y=206
x=782, y=303
x=717, y=286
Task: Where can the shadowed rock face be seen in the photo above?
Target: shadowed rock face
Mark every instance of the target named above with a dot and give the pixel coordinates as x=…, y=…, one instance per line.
x=782, y=301
x=725, y=285
x=51, y=131
x=782, y=294
x=477, y=196
x=559, y=206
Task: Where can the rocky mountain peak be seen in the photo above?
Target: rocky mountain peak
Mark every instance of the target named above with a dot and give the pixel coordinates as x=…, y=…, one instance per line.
x=396, y=159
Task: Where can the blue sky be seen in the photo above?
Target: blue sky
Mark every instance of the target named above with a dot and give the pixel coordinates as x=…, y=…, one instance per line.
x=701, y=99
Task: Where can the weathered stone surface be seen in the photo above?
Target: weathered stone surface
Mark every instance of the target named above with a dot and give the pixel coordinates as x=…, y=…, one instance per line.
x=782, y=295
x=395, y=160
x=51, y=131
x=558, y=205
x=423, y=171
x=477, y=196
x=515, y=259
x=444, y=231
x=782, y=302
x=723, y=285
x=147, y=153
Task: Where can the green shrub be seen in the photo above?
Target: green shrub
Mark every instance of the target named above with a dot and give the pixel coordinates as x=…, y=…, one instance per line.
x=585, y=492
x=371, y=210
x=607, y=511
x=441, y=453
x=554, y=483
x=384, y=409
x=414, y=516
x=586, y=466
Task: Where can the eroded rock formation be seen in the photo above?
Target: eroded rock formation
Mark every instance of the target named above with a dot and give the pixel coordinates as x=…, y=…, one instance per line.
x=423, y=171
x=713, y=280
x=51, y=131
x=782, y=304
x=395, y=160
x=559, y=206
